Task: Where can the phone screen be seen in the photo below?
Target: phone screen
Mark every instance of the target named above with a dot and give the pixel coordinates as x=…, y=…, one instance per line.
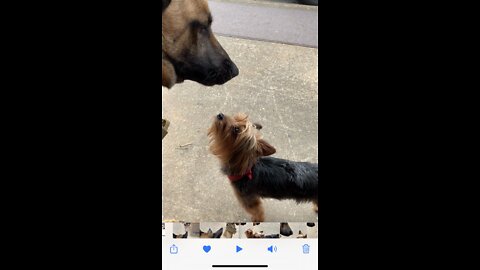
x=240, y=141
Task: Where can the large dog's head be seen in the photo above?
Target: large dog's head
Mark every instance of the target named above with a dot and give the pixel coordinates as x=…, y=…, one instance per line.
x=190, y=51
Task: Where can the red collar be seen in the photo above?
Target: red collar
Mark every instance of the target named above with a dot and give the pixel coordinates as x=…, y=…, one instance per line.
x=238, y=177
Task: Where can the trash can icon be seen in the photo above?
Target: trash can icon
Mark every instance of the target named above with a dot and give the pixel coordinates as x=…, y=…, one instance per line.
x=173, y=249
x=306, y=249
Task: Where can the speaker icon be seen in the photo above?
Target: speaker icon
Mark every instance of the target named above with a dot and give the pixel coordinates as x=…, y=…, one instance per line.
x=272, y=249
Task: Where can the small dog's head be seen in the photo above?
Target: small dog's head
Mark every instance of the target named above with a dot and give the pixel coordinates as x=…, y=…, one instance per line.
x=231, y=228
x=249, y=233
x=237, y=142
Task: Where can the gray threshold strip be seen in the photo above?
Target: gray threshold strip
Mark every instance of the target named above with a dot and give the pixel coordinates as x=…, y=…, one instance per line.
x=287, y=24
x=267, y=40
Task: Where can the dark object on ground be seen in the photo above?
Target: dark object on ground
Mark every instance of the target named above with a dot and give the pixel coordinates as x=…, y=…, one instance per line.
x=309, y=2
x=165, y=124
x=285, y=230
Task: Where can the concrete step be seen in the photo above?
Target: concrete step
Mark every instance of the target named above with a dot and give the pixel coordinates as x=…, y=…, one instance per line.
x=266, y=21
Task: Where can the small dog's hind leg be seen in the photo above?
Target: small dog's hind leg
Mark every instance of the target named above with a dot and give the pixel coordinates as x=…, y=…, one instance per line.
x=252, y=204
x=255, y=208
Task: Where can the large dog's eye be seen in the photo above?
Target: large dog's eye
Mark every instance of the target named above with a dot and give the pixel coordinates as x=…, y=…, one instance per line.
x=200, y=27
x=236, y=130
x=203, y=29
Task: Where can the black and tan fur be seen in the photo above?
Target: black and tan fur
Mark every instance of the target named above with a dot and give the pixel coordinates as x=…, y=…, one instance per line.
x=243, y=154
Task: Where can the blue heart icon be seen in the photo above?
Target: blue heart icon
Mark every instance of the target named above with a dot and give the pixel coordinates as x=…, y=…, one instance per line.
x=207, y=248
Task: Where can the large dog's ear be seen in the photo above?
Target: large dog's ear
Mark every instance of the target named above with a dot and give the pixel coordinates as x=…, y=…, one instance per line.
x=218, y=233
x=265, y=149
x=165, y=4
x=169, y=77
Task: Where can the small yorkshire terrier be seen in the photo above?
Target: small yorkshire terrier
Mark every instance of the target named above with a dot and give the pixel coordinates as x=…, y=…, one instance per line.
x=230, y=230
x=243, y=157
x=252, y=234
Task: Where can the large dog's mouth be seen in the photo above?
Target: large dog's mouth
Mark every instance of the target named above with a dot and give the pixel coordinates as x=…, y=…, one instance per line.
x=206, y=75
x=180, y=79
x=209, y=77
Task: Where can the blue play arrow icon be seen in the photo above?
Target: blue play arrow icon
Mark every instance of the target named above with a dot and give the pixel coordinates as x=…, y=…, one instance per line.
x=239, y=249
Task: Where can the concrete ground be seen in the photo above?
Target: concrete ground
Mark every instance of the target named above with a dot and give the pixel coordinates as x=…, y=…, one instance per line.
x=277, y=87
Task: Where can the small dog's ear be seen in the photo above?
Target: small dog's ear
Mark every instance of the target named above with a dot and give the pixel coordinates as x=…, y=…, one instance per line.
x=257, y=126
x=265, y=149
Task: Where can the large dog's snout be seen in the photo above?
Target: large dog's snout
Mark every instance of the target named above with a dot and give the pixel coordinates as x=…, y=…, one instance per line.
x=220, y=116
x=221, y=74
x=228, y=72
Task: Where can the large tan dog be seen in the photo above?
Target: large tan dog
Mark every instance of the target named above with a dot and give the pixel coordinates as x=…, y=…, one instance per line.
x=190, y=51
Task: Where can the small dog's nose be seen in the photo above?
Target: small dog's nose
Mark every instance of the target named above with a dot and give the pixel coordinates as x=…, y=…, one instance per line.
x=220, y=116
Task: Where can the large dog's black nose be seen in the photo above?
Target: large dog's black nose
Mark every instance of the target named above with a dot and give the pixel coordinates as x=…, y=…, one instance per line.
x=230, y=68
x=220, y=116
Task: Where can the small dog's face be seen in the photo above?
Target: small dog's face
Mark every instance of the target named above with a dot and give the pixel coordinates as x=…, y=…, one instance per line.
x=231, y=228
x=237, y=142
x=249, y=233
